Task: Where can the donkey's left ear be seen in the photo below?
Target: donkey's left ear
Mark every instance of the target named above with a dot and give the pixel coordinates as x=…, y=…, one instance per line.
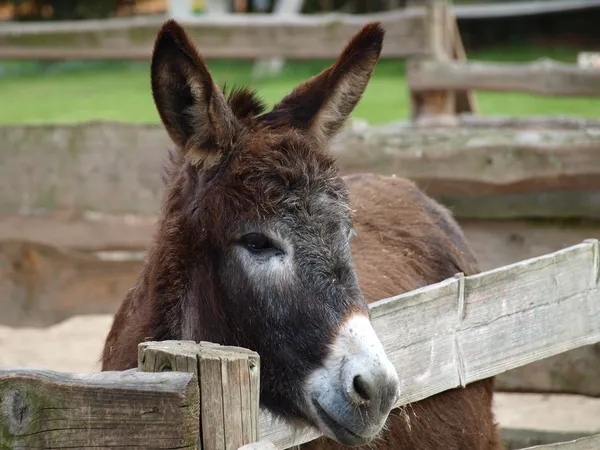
x=192, y=108
x=323, y=103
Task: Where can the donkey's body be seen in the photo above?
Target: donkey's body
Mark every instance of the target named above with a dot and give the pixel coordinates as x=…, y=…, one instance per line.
x=253, y=249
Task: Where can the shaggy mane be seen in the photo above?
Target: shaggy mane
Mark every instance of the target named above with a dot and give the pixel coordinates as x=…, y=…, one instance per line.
x=244, y=102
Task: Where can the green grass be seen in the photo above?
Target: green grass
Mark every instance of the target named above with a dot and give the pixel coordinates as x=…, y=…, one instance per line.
x=38, y=93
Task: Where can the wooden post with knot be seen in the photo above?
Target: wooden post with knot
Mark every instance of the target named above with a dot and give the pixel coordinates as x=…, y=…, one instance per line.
x=228, y=379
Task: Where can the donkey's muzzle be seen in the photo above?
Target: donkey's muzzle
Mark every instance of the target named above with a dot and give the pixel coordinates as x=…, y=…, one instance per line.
x=352, y=394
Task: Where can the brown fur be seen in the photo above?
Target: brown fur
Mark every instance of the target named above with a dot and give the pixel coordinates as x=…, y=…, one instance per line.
x=233, y=167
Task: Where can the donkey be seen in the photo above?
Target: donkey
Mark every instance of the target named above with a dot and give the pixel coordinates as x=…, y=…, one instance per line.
x=262, y=244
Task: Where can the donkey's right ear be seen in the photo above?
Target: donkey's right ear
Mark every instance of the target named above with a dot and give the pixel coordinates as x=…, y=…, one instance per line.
x=192, y=108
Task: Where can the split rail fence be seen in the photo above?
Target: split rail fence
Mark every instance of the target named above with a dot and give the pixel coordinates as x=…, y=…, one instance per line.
x=494, y=173
x=438, y=337
x=440, y=78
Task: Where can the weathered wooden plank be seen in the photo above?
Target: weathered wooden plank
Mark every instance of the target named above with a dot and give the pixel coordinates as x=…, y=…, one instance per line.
x=43, y=165
x=465, y=100
x=587, y=443
x=262, y=445
x=540, y=419
x=529, y=311
x=84, y=231
x=519, y=438
x=42, y=284
x=229, y=387
x=46, y=409
x=475, y=161
x=526, y=311
x=545, y=77
x=542, y=204
x=217, y=36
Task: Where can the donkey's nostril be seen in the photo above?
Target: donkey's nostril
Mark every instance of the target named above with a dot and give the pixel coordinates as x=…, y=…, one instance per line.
x=362, y=388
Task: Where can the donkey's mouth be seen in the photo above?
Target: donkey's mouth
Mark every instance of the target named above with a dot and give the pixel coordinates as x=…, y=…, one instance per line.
x=337, y=430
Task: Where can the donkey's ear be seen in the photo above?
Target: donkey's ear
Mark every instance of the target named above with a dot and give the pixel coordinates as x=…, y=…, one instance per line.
x=192, y=108
x=322, y=104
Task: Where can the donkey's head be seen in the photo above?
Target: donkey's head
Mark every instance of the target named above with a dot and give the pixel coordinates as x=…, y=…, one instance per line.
x=260, y=222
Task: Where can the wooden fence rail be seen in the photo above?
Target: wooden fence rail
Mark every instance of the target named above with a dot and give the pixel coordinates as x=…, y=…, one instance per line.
x=218, y=37
x=544, y=77
x=46, y=409
x=438, y=337
x=485, y=168
x=427, y=36
x=588, y=443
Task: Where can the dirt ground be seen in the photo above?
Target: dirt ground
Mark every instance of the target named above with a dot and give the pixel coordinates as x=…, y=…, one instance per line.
x=75, y=346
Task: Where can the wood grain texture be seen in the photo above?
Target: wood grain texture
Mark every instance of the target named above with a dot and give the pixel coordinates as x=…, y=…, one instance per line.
x=44, y=284
x=569, y=203
x=545, y=77
x=218, y=37
x=587, y=443
x=229, y=383
x=523, y=438
x=439, y=337
x=45, y=409
x=434, y=106
x=43, y=165
x=84, y=231
x=262, y=445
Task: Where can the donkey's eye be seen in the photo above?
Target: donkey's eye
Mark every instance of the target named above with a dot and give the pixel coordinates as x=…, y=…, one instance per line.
x=258, y=243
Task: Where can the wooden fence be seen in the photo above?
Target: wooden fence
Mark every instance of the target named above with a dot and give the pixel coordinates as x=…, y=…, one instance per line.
x=494, y=173
x=438, y=337
x=439, y=76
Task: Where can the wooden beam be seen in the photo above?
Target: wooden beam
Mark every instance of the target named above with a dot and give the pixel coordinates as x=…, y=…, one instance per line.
x=262, y=445
x=82, y=231
x=523, y=438
x=217, y=36
x=434, y=107
x=46, y=409
x=541, y=204
x=545, y=77
x=41, y=284
x=448, y=328
x=587, y=443
x=465, y=99
x=482, y=157
x=229, y=380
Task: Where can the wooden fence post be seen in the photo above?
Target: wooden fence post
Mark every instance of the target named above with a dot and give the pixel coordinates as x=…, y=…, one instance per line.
x=228, y=380
x=444, y=42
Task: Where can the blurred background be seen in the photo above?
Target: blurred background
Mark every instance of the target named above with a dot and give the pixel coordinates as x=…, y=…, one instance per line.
x=492, y=107
x=118, y=90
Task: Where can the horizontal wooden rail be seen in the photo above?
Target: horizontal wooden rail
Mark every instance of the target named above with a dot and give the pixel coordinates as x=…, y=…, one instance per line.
x=217, y=37
x=469, y=328
x=543, y=77
x=481, y=158
x=46, y=409
x=588, y=443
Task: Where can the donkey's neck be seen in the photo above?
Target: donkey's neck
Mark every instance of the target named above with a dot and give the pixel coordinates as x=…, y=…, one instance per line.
x=178, y=290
